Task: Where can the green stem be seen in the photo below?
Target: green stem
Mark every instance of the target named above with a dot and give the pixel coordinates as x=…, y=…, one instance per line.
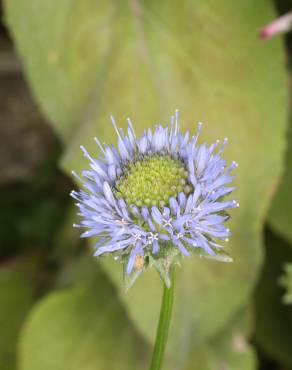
x=163, y=325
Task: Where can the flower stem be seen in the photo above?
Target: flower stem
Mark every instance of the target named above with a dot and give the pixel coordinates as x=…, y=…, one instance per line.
x=163, y=325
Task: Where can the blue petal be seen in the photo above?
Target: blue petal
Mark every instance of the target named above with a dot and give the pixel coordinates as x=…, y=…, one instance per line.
x=157, y=216
x=173, y=205
x=181, y=247
x=108, y=193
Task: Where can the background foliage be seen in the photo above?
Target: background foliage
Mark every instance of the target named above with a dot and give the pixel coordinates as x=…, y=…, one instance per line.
x=85, y=60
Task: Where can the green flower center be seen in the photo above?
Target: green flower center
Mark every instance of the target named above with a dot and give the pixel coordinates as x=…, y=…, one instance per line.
x=152, y=181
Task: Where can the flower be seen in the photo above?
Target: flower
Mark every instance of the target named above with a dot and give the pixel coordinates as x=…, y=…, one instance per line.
x=279, y=25
x=156, y=198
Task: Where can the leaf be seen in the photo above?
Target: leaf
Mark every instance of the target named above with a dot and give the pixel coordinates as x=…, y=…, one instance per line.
x=16, y=301
x=83, y=327
x=228, y=350
x=273, y=331
x=280, y=213
x=286, y=282
x=86, y=60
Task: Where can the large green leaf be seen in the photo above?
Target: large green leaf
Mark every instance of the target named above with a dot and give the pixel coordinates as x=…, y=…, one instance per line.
x=83, y=327
x=16, y=300
x=87, y=59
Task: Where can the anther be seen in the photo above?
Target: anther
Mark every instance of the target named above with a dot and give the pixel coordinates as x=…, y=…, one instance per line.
x=167, y=222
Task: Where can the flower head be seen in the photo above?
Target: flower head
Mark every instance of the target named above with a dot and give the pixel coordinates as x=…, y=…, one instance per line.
x=156, y=198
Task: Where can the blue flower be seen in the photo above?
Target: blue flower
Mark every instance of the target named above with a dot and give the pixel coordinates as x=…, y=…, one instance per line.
x=156, y=196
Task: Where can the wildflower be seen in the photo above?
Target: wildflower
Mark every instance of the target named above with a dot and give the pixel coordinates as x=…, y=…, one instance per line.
x=156, y=198
x=281, y=24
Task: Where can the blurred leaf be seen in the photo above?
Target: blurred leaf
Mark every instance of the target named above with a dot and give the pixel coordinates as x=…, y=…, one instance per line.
x=286, y=282
x=228, y=350
x=31, y=214
x=274, y=319
x=16, y=300
x=83, y=327
x=27, y=140
x=280, y=214
x=86, y=60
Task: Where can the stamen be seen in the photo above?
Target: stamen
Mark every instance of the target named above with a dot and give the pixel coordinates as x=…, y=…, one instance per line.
x=152, y=237
x=167, y=222
x=131, y=126
x=77, y=176
x=122, y=222
x=176, y=121
x=99, y=145
x=115, y=127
